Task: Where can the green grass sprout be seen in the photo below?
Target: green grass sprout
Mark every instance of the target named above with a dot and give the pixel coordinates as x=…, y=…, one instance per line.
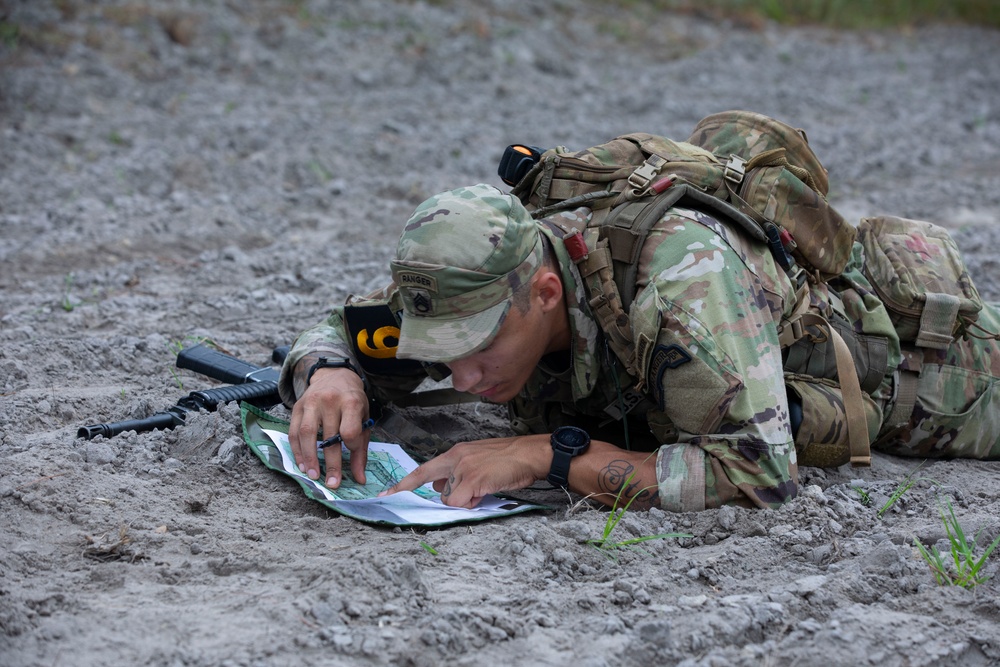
x=177, y=378
x=9, y=34
x=320, y=171
x=177, y=346
x=618, y=512
x=428, y=548
x=852, y=14
x=965, y=567
x=68, y=304
x=901, y=489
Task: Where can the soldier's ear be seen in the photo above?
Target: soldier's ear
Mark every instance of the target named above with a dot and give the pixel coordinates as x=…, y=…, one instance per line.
x=548, y=288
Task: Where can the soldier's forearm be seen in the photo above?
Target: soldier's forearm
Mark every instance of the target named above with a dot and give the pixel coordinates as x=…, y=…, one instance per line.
x=616, y=477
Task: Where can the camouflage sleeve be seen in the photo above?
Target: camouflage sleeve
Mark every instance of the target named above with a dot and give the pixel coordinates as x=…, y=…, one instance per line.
x=709, y=302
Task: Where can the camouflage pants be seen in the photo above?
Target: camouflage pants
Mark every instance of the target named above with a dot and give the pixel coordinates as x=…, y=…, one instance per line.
x=956, y=412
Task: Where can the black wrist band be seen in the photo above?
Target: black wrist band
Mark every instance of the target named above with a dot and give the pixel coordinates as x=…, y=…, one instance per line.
x=336, y=362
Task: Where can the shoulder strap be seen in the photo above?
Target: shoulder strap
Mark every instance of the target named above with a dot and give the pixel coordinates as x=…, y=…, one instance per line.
x=595, y=264
x=628, y=224
x=797, y=326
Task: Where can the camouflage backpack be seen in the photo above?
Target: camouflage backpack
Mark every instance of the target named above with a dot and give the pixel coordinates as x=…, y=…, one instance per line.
x=745, y=168
x=748, y=168
x=918, y=273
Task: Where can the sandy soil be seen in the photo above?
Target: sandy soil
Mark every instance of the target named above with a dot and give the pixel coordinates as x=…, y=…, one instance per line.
x=177, y=170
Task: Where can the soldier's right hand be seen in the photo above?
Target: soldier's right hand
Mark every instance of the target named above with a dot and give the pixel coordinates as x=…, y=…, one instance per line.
x=334, y=402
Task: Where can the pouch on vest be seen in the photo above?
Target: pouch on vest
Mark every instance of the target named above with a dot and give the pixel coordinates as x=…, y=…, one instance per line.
x=821, y=433
x=869, y=353
x=918, y=272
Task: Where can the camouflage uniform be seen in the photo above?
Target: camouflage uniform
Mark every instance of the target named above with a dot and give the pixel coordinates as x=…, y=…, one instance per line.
x=710, y=397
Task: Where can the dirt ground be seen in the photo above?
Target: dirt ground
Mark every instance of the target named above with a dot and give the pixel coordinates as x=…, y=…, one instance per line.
x=231, y=169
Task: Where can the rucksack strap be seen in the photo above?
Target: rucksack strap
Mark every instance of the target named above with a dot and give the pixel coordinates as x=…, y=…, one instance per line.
x=905, y=386
x=905, y=381
x=628, y=225
x=796, y=327
x=595, y=266
x=850, y=388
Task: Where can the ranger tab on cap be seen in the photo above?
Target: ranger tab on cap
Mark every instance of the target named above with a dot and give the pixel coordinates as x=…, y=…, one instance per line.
x=461, y=256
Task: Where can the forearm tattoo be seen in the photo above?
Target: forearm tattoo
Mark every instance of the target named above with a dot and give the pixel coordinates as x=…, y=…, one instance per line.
x=621, y=480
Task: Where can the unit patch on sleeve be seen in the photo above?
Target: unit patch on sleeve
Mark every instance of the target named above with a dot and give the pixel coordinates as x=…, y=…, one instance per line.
x=664, y=357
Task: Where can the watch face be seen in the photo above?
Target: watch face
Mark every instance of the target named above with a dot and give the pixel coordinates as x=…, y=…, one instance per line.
x=571, y=439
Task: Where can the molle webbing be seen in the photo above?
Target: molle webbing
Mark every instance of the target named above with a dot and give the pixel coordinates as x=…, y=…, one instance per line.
x=594, y=260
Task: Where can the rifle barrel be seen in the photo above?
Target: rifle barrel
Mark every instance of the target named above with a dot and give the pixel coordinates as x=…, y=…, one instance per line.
x=160, y=421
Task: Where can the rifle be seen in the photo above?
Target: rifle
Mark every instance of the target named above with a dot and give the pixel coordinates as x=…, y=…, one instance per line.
x=257, y=385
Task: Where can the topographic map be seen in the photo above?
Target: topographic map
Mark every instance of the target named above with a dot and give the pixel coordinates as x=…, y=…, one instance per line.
x=387, y=464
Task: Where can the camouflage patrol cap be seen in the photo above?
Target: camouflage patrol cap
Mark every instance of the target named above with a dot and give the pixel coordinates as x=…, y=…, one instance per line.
x=459, y=260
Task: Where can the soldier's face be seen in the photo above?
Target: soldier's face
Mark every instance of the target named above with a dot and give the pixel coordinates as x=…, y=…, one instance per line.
x=498, y=372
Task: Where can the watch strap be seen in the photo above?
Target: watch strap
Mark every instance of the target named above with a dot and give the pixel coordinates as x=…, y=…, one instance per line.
x=559, y=471
x=331, y=362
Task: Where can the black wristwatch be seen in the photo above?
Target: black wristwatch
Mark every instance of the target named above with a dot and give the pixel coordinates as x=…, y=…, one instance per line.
x=567, y=442
x=335, y=362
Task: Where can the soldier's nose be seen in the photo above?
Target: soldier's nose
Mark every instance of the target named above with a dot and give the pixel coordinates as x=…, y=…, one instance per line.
x=463, y=375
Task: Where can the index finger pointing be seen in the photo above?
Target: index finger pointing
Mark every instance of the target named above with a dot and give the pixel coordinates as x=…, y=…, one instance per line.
x=424, y=473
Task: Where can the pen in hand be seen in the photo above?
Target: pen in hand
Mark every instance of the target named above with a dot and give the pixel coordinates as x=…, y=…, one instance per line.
x=337, y=439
